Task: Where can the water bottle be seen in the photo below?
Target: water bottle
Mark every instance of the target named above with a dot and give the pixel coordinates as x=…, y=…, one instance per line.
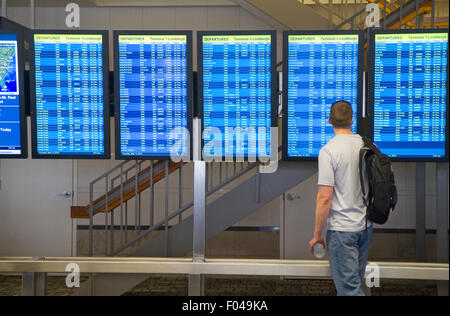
x=319, y=251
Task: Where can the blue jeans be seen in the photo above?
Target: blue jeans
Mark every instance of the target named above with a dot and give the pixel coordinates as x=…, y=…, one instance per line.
x=347, y=253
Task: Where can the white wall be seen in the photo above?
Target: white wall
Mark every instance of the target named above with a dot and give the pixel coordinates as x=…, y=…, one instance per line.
x=34, y=221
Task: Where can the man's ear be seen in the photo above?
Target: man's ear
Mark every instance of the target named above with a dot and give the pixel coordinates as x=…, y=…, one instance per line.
x=329, y=121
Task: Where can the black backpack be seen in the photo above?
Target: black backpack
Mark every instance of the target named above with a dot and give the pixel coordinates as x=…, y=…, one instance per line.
x=382, y=196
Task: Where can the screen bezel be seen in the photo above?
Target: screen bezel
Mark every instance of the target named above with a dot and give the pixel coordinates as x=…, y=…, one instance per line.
x=359, y=105
x=22, y=92
x=371, y=92
x=106, y=111
x=189, y=86
x=274, y=88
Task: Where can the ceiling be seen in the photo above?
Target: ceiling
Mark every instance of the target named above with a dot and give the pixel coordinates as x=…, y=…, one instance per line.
x=116, y=3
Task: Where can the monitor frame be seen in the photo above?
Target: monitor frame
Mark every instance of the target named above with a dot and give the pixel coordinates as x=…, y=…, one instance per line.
x=360, y=81
x=22, y=107
x=106, y=111
x=371, y=91
x=189, y=86
x=274, y=87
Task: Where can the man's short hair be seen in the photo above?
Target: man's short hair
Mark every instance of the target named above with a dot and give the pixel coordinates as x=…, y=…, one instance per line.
x=341, y=114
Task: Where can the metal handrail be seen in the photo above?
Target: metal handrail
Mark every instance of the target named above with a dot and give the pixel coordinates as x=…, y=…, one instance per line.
x=125, y=186
x=267, y=267
x=164, y=222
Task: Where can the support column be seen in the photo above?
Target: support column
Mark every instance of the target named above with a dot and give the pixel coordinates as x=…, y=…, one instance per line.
x=32, y=15
x=197, y=281
x=196, y=285
x=4, y=8
x=34, y=284
x=420, y=212
x=442, y=221
x=199, y=210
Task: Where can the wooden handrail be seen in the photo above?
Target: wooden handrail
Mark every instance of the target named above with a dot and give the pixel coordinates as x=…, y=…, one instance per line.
x=82, y=212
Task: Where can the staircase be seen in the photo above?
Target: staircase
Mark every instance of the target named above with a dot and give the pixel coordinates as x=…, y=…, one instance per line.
x=399, y=14
x=229, y=201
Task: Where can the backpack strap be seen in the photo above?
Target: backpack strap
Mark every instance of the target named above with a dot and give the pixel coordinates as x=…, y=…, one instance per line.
x=368, y=146
x=362, y=158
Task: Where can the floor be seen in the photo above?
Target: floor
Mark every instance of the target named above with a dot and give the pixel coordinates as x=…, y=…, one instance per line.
x=221, y=286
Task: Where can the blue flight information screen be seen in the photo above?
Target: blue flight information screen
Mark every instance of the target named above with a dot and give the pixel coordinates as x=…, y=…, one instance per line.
x=153, y=95
x=321, y=70
x=410, y=94
x=237, y=85
x=69, y=94
x=10, y=129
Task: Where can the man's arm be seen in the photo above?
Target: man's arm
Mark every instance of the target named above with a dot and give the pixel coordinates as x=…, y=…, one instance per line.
x=323, y=203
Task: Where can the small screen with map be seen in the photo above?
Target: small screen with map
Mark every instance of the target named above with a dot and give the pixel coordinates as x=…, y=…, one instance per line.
x=10, y=129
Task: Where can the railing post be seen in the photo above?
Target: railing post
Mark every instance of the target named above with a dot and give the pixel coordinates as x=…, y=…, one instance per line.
x=34, y=284
x=136, y=188
x=139, y=199
x=122, y=239
x=166, y=228
x=152, y=195
x=106, y=215
x=442, y=220
x=258, y=184
x=433, y=8
x=91, y=220
x=199, y=210
x=180, y=191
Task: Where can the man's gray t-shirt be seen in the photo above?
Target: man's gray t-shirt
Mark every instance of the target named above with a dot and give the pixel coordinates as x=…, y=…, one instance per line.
x=339, y=168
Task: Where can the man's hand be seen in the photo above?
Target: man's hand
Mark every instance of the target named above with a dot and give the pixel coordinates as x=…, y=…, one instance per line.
x=323, y=202
x=314, y=241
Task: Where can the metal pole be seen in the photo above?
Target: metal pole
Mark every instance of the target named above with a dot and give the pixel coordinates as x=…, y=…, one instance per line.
x=196, y=285
x=122, y=239
x=417, y=14
x=34, y=284
x=199, y=211
x=4, y=11
x=211, y=184
x=136, y=199
x=139, y=200
x=152, y=194
x=433, y=7
x=180, y=191
x=420, y=212
x=91, y=220
x=106, y=216
x=258, y=184
x=32, y=15
x=401, y=14
x=166, y=228
x=126, y=212
x=442, y=220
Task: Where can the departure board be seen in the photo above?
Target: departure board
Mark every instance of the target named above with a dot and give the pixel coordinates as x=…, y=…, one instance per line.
x=12, y=117
x=321, y=68
x=409, y=93
x=237, y=93
x=153, y=94
x=69, y=91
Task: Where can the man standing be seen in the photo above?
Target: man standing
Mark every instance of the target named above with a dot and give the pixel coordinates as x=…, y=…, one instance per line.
x=340, y=205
